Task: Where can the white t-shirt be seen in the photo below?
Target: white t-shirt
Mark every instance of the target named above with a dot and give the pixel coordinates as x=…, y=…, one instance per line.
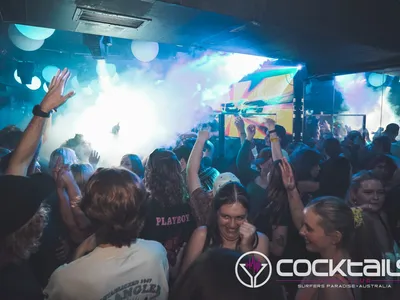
x=138, y=272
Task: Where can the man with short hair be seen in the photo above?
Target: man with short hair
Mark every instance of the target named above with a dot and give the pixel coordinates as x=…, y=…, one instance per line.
x=119, y=264
x=392, y=131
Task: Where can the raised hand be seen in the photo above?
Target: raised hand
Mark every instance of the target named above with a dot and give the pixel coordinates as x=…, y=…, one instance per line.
x=205, y=133
x=239, y=123
x=325, y=126
x=348, y=129
x=270, y=124
x=94, y=158
x=54, y=97
x=63, y=175
x=251, y=132
x=287, y=175
x=247, y=234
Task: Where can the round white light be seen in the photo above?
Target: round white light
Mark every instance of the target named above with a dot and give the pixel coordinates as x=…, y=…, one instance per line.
x=36, y=84
x=16, y=77
x=22, y=42
x=145, y=51
x=49, y=72
x=377, y=80
x=35, y=33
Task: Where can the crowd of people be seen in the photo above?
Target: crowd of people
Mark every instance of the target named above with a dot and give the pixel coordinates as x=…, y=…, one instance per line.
x=172, y=226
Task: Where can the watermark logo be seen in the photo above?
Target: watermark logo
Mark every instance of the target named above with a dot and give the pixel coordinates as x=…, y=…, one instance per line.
x=345, y=267
x=253, y=269
x=253, y=273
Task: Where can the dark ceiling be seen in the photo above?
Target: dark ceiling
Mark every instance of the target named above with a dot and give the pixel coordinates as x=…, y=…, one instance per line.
x=329, y=36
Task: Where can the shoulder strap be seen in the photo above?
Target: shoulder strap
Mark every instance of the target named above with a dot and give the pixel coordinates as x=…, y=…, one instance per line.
x=207, y=241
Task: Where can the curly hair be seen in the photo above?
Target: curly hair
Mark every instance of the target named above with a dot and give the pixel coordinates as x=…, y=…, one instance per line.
x=115, y=202
x=163, y=178
x=25, y=241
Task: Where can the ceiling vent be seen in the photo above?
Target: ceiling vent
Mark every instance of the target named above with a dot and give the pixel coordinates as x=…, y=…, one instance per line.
x=106, y=18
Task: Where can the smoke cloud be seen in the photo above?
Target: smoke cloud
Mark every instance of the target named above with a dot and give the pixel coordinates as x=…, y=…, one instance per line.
x=151, y=108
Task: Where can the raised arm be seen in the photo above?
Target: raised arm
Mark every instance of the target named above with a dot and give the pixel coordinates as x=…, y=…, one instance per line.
x=32, y=165
x=194, y=161
x=75, y=233
x=47, y=129
x=32, y=136
x=74, y=194
x=239, y=123
x=295, y=204
x=65, y=179
x=274, y=139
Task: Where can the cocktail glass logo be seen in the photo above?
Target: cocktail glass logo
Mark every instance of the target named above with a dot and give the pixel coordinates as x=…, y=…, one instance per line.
x=253, y=269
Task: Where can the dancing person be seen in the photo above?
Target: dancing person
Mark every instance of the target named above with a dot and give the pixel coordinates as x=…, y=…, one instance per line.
x=114, y=260
x=169, y=219
x=228, y=226
x=328, y=230
x=367, y=192
x=23, y=215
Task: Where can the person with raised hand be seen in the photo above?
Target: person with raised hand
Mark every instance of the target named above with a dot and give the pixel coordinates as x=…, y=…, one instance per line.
x=255, y=180
x=222, y=215
x=30, y=141
x=23, y=215
x=200, y=200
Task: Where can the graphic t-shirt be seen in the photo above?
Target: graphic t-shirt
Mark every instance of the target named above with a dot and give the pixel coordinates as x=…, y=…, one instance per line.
x=171, y=226
x=137, y=272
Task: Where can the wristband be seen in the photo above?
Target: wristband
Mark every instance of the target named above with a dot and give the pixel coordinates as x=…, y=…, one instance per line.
x=274, y=140
x=38, y=112
x=271, y=131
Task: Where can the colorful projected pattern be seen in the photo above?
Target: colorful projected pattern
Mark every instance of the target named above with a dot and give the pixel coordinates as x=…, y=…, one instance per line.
x=264, y=94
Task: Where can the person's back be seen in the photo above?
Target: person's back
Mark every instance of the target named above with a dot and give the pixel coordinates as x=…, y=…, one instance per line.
x=171, y=226
x=118, y=263
x=140, y=271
